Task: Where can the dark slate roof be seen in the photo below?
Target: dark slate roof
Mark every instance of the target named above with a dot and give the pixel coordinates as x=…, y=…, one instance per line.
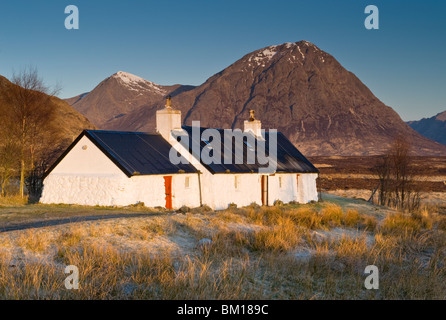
x=289, y=159
x=135, y=153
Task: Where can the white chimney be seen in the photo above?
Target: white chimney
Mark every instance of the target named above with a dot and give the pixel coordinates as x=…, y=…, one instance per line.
x=253, y=125
x=167, y=120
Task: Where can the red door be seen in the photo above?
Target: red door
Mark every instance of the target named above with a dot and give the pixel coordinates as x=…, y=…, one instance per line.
x=168, y=191
x=264, y=183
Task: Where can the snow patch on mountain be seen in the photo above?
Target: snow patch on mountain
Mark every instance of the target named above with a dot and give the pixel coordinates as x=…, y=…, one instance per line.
x=263, y=56
x=136, y=83
x=303, y=56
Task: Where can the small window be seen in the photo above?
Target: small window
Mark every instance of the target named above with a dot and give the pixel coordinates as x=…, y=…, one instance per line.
x=186, y=182
x=236, y=182
x=280, y=183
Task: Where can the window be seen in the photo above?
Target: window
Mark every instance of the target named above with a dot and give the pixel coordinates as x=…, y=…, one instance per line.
x=236, y=182
x=186, y=182
x=280, y=183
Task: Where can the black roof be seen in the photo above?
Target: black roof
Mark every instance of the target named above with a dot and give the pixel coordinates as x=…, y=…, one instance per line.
x=289, y=159
x=135, y=153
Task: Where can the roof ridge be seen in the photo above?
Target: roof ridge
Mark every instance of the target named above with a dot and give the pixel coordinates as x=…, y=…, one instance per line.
x=125, y=132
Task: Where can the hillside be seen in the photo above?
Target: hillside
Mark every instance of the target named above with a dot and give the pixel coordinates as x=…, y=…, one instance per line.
x=70, y=122
x=433, y=128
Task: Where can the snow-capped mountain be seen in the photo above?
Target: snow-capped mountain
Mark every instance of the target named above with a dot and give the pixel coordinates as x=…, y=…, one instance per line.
x=296, y=88
x=118, y=95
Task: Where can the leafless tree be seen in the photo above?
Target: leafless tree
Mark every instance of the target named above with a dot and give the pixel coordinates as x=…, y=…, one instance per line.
x=9, y=152
x=396, y=175
x=28, y=115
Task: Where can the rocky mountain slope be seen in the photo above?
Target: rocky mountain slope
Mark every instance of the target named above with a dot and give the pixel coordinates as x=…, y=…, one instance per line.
x=294, y=87
x=433, y=128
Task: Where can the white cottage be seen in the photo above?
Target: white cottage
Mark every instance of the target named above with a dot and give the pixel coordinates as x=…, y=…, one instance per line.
x=121, y=168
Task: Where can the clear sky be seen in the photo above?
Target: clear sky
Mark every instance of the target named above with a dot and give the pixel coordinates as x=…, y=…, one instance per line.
x=186, y=42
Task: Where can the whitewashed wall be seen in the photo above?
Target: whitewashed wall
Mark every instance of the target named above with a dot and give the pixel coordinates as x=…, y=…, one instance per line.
x=151, y=190
x=84, y=190
x=182, y=196
x=220, y=190
x=287, y=192
x=88, y=177
x=90, y=161
x=85, y=176
x=307, y=190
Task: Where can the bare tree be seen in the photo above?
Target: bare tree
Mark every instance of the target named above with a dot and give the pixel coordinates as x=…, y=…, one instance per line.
x=28, y=114
x=8, y=163
x=383, y=171
x=397, y=180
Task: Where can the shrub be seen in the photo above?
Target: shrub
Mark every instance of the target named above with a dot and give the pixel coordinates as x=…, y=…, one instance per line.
x=282, y=237
x=332, y=215
x=441, y=223
x=305, y=217
x=278, y=203
x=352, y=218
x=254, y=205
x=206, y=208
x=401, y=224
x=184, y=209
x=370, y=223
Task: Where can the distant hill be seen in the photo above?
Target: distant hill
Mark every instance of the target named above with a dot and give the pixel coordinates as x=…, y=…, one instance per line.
x=433, y=128
x=70, y=122
x=294, y=87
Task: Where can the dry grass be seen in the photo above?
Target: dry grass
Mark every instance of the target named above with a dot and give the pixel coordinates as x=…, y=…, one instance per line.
x=316, y=251
x=16, y=200
x=33, y=241
x=401, y=223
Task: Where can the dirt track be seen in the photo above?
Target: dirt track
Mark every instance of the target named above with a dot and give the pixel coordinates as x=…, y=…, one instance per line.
x=55, y=222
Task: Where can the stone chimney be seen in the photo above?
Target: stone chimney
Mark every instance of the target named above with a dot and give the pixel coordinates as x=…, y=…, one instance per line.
x=168, y=119
x=253, y=125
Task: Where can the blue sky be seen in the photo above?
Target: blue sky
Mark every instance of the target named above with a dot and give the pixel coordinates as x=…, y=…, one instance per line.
x=186, y=42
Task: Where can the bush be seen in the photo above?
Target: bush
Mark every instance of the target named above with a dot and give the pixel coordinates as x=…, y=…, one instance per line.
x=254, y=205
x=352, y=218
x=278, y=203
x=401, y=224
x=305, y=217
x=332, y=215
x=184, y=209
x=206, y=208
x=370, y=223
x=441, y=223
x=282, y=237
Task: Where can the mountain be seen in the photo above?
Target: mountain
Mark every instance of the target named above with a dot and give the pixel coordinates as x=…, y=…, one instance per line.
x=118, y=95
x=433, y=128
x=295, y=88
x=70, y=122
